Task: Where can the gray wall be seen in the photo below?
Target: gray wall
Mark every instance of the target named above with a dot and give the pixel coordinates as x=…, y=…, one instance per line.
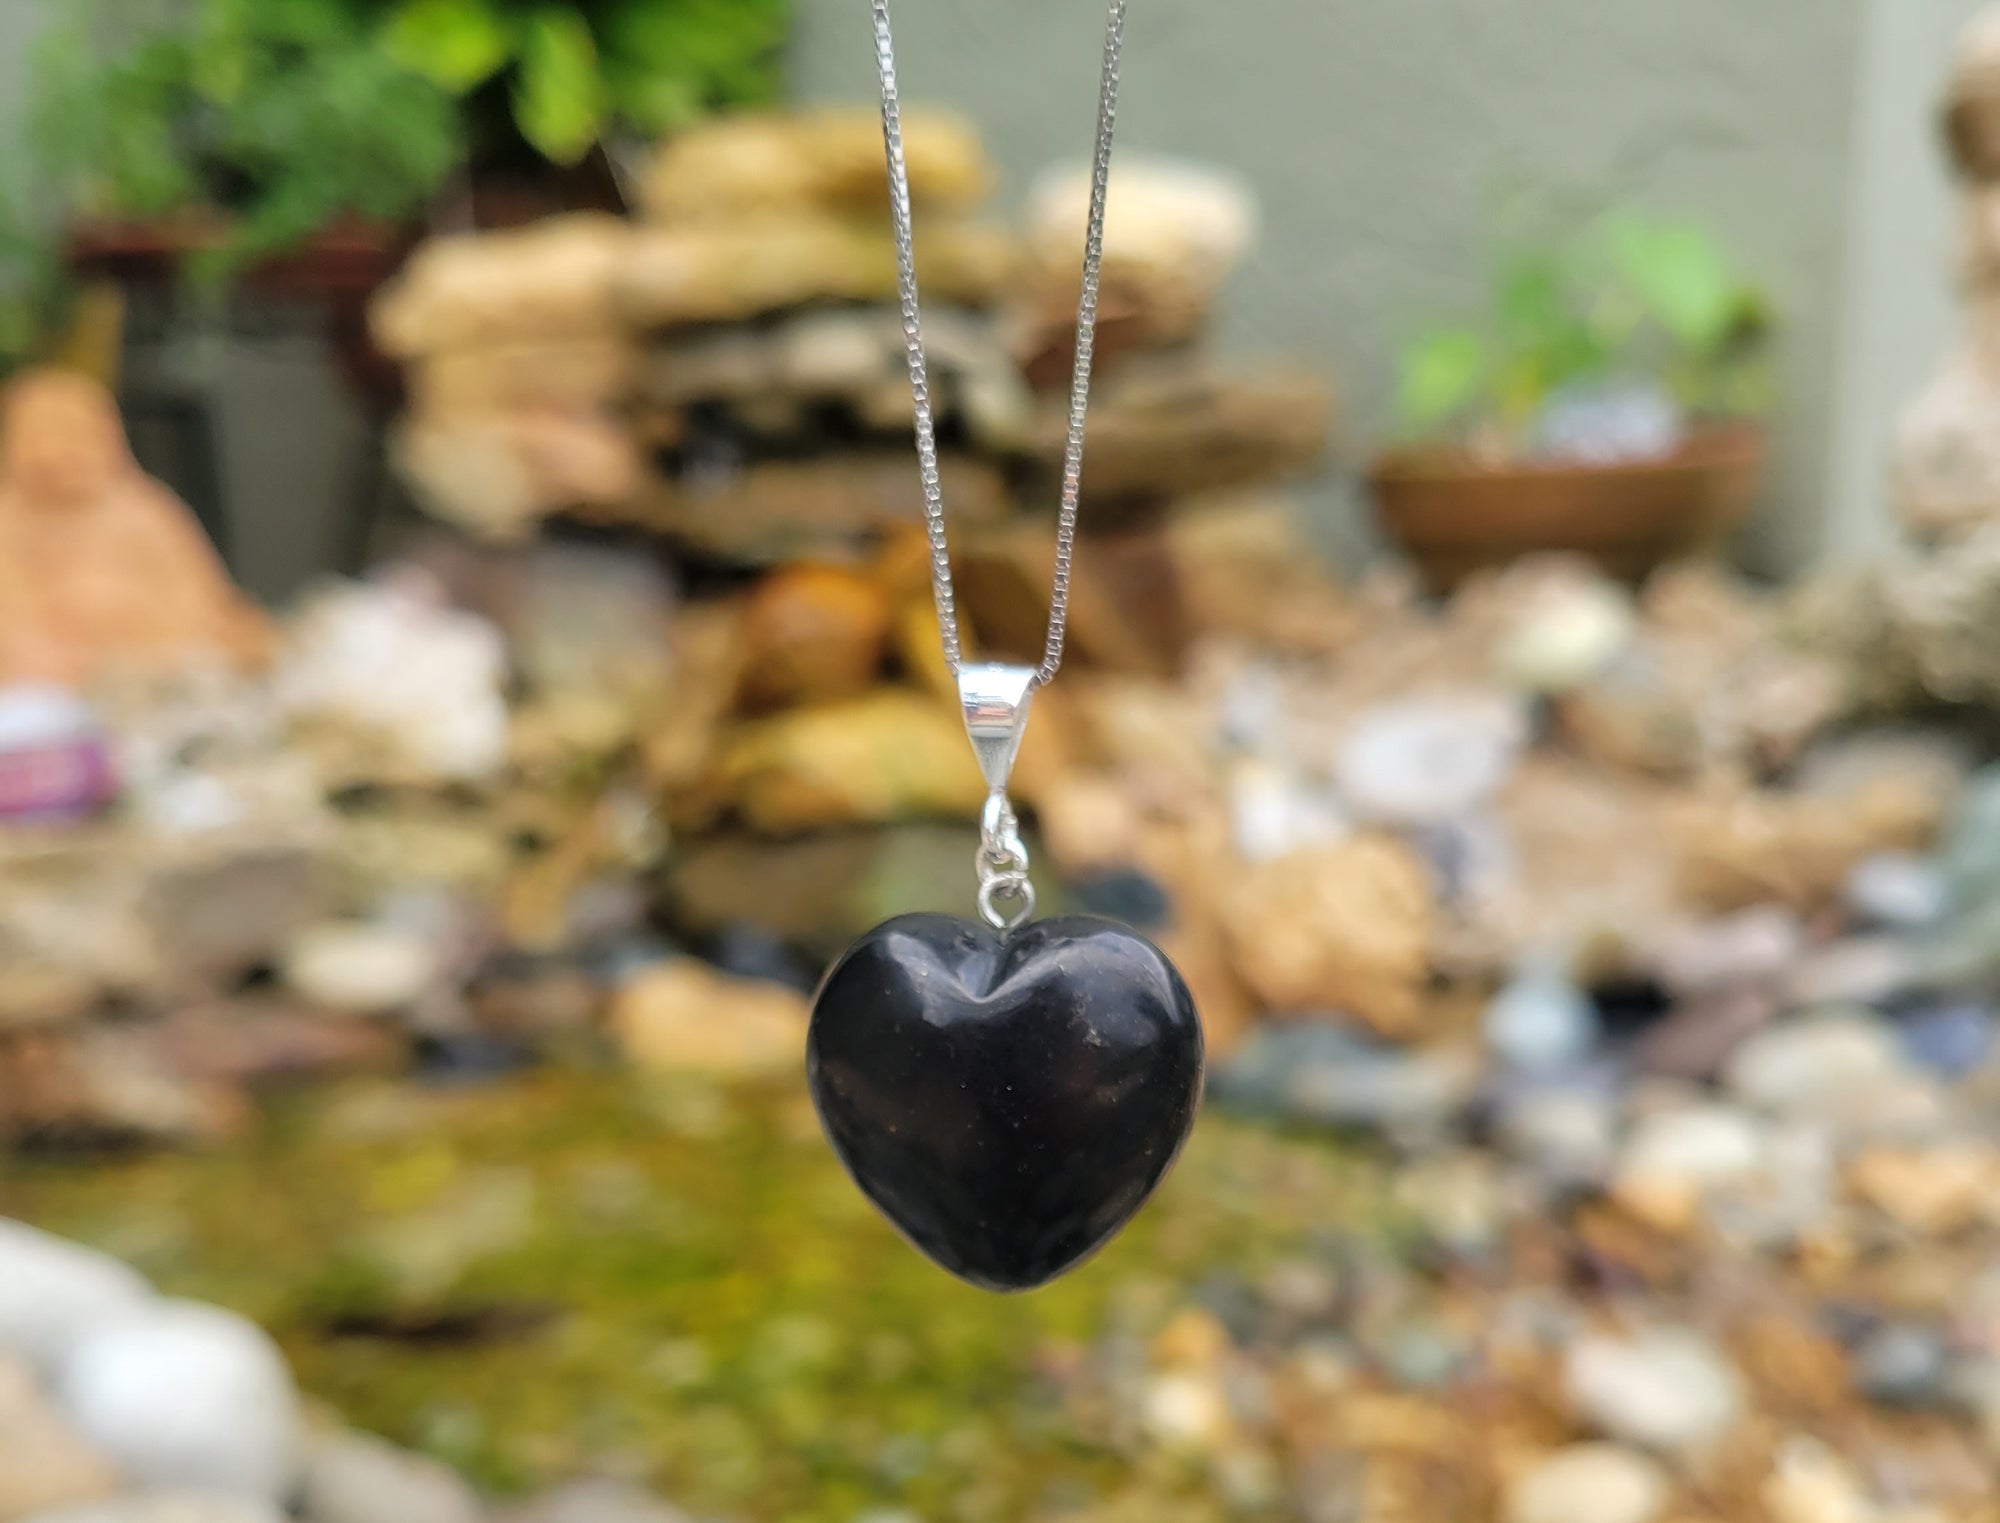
x=1899, y=311
x=1386, y=136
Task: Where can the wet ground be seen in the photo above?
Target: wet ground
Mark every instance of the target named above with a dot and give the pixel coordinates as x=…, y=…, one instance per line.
x=572, y=1274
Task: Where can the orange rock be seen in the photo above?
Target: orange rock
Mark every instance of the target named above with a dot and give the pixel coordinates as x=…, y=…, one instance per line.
x=814, y=632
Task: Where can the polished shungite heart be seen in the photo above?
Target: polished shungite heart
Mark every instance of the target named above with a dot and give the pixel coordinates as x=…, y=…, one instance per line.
x=1008, y=1100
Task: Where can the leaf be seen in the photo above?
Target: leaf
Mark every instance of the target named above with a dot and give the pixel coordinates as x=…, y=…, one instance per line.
x=1682, y=277
x=559, y=96
x=1442, y=374
x=453, y=43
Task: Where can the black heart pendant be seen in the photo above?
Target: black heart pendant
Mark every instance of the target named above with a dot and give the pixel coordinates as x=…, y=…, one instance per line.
x=1007, y=1099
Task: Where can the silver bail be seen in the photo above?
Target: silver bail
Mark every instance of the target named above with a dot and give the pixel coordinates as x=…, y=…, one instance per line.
x=996, y=699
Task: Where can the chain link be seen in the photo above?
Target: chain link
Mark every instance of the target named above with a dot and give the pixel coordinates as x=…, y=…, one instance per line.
x=1086, y=342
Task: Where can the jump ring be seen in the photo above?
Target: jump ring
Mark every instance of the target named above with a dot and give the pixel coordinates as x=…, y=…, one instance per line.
x=1016, y=886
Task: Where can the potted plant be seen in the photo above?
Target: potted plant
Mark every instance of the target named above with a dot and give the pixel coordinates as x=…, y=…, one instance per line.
x=300, y=145
x=1605, y=405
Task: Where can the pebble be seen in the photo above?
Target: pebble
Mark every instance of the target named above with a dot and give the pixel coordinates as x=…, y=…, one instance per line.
x=1666, y=1389
x=1698, y=1039
x=1128, y=895
x=1898, y=891
x=744, y=950
x=1972, y=851
x=360, y=968
x=1541, y=1023
x=170, y=1507
x=52, y=1292
x=1696, y=1145
x=355, y=1478
x=183, y=1395
x=1863, y=970
x=44, y=1462
x=1589, y=1483
x=1951, y=1040
x=1421, y=1356
x=1900, y=1365
x=1569, y=634
x=1567, y=1136
x=593, y=1502
x=1811, y=1483
x=1814, y=1063
x=1752, y=946
x=1432, y=759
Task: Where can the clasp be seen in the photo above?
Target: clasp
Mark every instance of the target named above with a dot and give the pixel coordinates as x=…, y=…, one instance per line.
x=996, y=699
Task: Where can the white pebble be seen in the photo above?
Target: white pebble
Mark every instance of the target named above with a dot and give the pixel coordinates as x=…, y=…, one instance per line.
x=52, y=1292
x=182, y=1395
x=1667, y=1390
x=1590, y=1483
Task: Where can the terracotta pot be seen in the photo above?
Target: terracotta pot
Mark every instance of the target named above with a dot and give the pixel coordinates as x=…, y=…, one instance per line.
x=1455, y=514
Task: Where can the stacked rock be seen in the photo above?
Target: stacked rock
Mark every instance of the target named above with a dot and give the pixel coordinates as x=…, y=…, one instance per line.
x=738, y=350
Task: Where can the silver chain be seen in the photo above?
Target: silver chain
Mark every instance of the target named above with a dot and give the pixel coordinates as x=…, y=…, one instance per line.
x=1086, y=343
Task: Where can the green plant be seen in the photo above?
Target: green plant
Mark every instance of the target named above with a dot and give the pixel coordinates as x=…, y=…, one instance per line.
x=574, y=69
x=270, y=118
x=1630, y=298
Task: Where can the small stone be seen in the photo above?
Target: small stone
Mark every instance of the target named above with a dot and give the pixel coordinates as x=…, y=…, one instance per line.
x=814, y=633
x=1666, y=1389
x=1329, y=1077
x=1951, y=1040
x=1589, y=1483
x=1541, y=1023
x=355, y=1478
x=179, y=1394
x=170, y=1507
x=1900, y=1365
x=366, y=969
x=1127, y=895
x=44, y=1462
x=1696, y=1147
x=1185, y=1410
x=746, y=950
x=683, y=1017
x=1812, y=1484
x=1863, y=970
x=1697, y=1040
x=1570, y=633
x=1898, y=891
x=1816, y=1064
x=1421, y=1356
x=593, y=1502
x=1431, y=760
x=1345, y=929
x=1567, y=1136
x=54, y=1292
x=1751, y=946
x=1932, y=1191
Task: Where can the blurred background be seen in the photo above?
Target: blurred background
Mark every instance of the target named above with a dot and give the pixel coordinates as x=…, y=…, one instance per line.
x=467, y=665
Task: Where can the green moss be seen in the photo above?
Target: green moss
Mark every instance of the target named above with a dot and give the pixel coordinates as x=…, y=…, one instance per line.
x=580, y=1273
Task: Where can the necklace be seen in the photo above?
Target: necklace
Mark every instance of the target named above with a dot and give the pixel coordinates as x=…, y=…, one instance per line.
x=1007, y=1093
